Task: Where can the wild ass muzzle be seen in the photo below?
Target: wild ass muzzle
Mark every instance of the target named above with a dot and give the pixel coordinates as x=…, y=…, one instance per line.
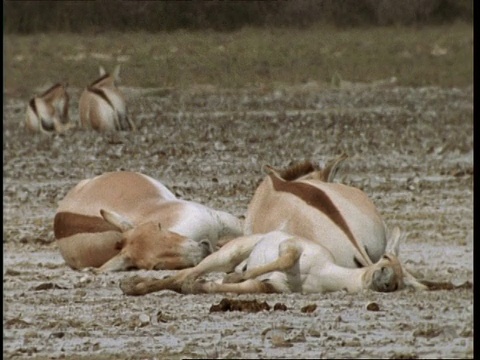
x=122, y=220
x=102, y=105
x=48, y=113
x=294, y=213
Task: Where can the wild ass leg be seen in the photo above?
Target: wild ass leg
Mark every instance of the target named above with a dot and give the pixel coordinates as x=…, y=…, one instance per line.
x=289, y=253
x=140, y=285
x=223, y=260
x=119, y=262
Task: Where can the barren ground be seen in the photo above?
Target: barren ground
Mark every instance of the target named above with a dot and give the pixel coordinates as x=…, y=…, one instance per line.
x=411, y=150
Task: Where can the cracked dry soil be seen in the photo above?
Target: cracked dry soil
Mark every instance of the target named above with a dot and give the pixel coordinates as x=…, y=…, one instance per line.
x=411, y=150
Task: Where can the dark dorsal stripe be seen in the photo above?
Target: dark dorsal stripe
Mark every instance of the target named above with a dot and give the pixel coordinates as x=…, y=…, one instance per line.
x=33, y=105
x=50, y=89
x=101, y=78
x=101, y=93
x=67, y=224
x=316, y=198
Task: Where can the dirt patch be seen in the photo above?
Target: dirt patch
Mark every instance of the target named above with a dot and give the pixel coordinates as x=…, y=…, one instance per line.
x=410, y=149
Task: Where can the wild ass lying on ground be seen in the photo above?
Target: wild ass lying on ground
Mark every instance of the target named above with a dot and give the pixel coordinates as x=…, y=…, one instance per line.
x=102, y=105
x=299, y=201
x=278, y=262
x=48, y=112
x=293, y=213
x=122, y=220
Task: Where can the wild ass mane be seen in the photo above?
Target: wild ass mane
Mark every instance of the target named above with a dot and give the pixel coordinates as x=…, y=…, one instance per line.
x=101, y=78
x=51, y=88
x=297, y=170
x=308, y=169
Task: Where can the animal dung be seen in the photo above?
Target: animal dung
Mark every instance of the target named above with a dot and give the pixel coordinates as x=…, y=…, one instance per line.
x=280, y=306
x=254, y=306
x=373, y=306
x=309, y=308
x=47, y=286
x=239, y=305
x=432, y=285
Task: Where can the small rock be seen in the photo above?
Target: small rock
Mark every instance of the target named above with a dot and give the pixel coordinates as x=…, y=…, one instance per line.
x=309, y=308
x=57, y=334
x=219, y=146
x=144, y=319
x=373, y=306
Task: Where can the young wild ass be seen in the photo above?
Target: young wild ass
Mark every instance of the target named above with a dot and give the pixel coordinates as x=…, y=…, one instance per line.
x=302, y=233
x=48, y=113
x=278, y=262
x=122, y=220
x=102, y=105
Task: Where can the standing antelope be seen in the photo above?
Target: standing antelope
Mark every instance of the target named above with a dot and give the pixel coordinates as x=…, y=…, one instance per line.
x=293, y=214
x=122, y=220
x=48, y=113
x=102, y=105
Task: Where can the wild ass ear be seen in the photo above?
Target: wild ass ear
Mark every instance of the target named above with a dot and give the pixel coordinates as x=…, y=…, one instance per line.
x=207, y=246
x=116, y=73
x=269, y=170
x=394, y=239
x=331, y=168
x=393, y=247
x=101, y=70
x=122, y=223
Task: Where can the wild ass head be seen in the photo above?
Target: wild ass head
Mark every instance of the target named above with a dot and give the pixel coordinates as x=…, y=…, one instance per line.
x=388, y=274
x=102, y=105
x=144, y=246
x=48, y=112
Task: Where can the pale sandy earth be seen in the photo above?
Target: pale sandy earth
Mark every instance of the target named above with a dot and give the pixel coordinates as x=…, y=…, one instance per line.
x=411, y=151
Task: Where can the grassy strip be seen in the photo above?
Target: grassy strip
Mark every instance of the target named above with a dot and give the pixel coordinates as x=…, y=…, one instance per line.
x=440, y=55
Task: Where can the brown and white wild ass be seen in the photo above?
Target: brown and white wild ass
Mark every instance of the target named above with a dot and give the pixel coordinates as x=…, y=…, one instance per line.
x=48, y=113
x=278, y=262
x=302, y=233
x=102, y=105
x=122, y=220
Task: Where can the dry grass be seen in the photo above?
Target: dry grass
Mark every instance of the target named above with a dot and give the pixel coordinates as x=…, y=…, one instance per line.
x=441, y=55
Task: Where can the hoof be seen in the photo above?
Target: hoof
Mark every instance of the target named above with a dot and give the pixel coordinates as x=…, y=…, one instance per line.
x=135, y=285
